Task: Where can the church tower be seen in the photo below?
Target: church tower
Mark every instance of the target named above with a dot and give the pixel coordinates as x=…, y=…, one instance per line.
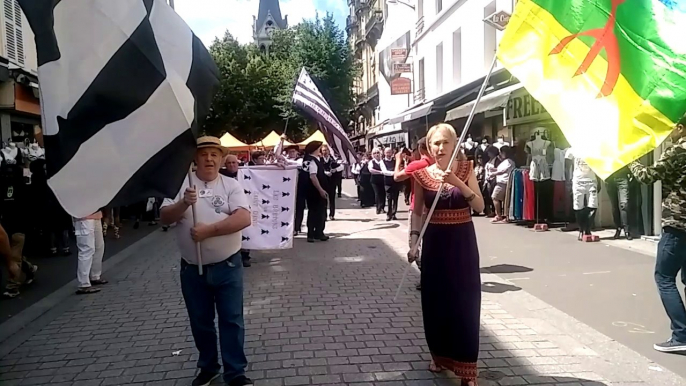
x=268, y=19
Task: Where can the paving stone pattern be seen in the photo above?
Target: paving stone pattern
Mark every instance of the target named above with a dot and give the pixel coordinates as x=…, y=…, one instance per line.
x=320, y=314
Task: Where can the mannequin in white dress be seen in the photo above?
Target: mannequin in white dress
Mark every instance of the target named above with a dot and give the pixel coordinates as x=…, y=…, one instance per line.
x=500, y=142
x=35, y=152
x=539, y=150
x=10, y=153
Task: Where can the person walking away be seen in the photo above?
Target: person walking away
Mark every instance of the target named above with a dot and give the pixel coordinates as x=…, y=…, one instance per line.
x=391, y=187
x=406, y=174
x=502, y=175
x=377, y=180
x=356, y=177
x=451, y=281
x=313, y=172
x=367, y=198
x=671, y=250
x=13, y=221
x=331, y=169
x=90, y=242
x=222, y=213
x=492, y=162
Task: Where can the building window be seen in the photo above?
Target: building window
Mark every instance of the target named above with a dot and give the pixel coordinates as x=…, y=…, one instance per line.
x=457, y=57
x=420, y=75
x=263, y=48
x=490, y=36
x=439, y=69
x=439, y=6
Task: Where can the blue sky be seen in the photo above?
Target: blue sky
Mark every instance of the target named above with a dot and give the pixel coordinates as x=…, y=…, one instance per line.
x=210, y=18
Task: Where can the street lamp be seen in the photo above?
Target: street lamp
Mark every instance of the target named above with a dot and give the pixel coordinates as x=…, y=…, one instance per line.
x=400, y=2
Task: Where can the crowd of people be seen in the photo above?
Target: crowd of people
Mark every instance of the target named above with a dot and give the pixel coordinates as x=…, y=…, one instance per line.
x=448, y=258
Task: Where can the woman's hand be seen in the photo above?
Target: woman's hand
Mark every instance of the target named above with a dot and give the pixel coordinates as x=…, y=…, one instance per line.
x=412, y=255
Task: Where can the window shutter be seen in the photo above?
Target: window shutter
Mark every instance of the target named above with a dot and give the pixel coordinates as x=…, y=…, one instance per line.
x=14, y=34
x=19, y=34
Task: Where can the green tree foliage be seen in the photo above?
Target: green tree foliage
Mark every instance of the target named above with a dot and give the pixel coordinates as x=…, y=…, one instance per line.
x=256, y=88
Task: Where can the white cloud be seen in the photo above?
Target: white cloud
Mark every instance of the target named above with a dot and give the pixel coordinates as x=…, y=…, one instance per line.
x=211, y=18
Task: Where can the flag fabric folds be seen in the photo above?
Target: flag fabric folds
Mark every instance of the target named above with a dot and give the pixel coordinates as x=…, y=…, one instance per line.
x=308, y=97
x=271, y=193
x=611, y=73
x=124, y=86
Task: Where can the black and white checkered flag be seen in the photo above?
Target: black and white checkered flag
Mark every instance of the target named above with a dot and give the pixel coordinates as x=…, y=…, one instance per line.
x=124, y=86
x=307, y=96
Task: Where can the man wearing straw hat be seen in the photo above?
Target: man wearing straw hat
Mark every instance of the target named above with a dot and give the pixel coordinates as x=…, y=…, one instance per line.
x=221, y=212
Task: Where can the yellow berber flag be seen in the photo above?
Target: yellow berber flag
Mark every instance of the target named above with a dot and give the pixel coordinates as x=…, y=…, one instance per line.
x=611, y=73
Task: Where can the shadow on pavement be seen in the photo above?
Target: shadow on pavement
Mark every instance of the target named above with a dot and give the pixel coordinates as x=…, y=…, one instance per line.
x=498, y=288
x=505, y=268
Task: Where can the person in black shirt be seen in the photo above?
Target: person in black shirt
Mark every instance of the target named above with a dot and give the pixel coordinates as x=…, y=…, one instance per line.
x=331, y=168
x=313, y=172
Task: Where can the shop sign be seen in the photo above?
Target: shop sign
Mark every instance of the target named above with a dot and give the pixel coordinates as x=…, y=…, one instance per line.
x=402, y=68
x=498, y=20
x=392, y=139
x=398, y=54
x=523, y=108
x=401, y=86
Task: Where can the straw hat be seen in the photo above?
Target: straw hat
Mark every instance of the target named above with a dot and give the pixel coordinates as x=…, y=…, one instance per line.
x=212, y=142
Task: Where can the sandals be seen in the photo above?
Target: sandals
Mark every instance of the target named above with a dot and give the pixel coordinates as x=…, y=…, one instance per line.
x=435, y=368
x=87, y=290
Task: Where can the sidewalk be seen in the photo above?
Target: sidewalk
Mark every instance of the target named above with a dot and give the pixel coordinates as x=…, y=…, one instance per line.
x=320, y=314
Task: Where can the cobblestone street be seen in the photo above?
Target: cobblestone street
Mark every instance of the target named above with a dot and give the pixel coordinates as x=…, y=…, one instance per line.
x=319, y=314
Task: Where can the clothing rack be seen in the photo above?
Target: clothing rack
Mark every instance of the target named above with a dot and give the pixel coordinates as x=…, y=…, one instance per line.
x=521, y=206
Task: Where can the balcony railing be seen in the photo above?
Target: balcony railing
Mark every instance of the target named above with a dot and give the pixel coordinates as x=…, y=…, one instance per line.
x=374, y=25
x=350, y=24
x=419, y=95
x=420, y=26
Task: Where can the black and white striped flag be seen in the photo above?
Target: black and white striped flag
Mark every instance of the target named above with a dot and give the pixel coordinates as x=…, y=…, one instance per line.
x=124, y=86
x=307, y=96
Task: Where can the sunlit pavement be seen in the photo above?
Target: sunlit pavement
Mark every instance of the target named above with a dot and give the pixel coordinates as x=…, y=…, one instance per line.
x=319, y=314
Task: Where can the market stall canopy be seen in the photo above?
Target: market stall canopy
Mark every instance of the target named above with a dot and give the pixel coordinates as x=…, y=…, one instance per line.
x=233, y=143
x=317, y=136
x=270, y=141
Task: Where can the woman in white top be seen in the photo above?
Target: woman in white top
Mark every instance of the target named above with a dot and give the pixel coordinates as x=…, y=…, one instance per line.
x=502, y=176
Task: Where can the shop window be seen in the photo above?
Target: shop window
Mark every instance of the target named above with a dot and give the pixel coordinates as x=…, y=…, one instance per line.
x=439, y=69
x=457, y=57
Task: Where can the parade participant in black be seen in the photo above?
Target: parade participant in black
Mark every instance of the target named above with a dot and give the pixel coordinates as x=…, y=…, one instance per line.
x=331, y=168
x=366, y=189
x=316, y=197
x=391, y=187
x=377, y=180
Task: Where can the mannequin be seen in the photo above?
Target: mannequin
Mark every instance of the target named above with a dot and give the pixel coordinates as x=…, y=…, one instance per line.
x=540, y=150
x=585, y=196
x=620, y=194
x=500, y=142
x=469, y=143
x=35, y=152
x=10, y=154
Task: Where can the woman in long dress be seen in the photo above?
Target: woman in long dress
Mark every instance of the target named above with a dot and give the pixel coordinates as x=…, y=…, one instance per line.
x=451, y=283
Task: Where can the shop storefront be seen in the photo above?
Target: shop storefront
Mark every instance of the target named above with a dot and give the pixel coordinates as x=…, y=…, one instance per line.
x=525, y=119
x=390, y=135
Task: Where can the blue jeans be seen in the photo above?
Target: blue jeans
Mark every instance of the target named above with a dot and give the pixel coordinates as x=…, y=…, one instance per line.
x=220, y=286
x=671, y=258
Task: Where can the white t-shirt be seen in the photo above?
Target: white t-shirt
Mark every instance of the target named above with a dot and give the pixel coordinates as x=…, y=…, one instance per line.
x=223, y=197
x=582, y=172
x=506, y=165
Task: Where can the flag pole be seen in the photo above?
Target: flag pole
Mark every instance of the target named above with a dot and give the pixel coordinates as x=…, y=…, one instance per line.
x=198, y=251
x=415, y=247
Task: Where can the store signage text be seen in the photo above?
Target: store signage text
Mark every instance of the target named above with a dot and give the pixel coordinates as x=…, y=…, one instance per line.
x=401, y=86
x=498, y=20
x=398, y=54
x=402, y=68
x=393, y=138
x=524, y=108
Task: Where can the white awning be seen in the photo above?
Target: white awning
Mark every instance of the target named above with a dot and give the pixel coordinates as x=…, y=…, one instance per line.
x=492, y=101
x=412, y=114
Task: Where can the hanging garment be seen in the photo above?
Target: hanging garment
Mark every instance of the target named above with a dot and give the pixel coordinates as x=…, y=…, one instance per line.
x=558, y=173
x=560, y=202
x=530, y=211
x=539, y=167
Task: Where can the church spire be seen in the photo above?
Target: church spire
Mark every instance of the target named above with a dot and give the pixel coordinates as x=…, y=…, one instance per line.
x=268, y=19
